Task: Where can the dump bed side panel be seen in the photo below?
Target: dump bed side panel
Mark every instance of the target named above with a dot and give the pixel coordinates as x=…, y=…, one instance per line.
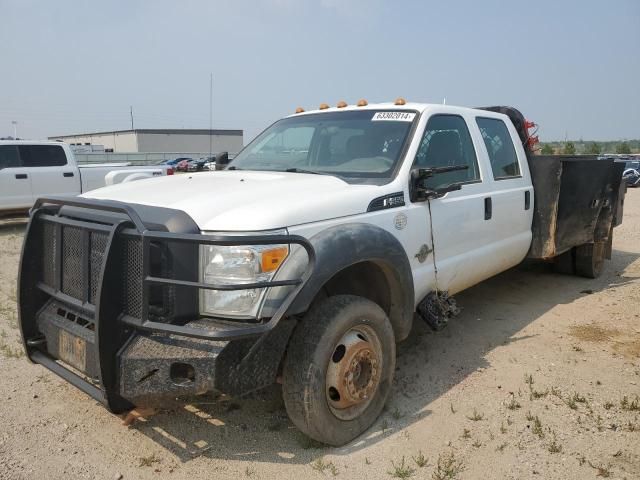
x=577, y=198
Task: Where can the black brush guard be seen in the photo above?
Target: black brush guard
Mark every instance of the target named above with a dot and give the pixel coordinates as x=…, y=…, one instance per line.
x=92, y=297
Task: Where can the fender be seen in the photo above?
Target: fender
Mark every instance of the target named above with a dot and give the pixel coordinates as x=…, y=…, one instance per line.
x=340, y=247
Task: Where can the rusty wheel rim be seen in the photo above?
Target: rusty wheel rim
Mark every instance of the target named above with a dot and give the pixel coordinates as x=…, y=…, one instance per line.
x=353, y=373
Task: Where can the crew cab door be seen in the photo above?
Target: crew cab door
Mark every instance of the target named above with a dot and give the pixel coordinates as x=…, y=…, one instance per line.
x=49, y=170
x=461, y=226
x=15, y=183
x=511, y=188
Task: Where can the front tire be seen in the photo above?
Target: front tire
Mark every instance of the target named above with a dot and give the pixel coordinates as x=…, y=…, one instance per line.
x=339, y=369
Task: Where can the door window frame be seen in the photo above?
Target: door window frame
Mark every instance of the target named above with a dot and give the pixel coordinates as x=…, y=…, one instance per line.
x=480, y=178
x=515, y=152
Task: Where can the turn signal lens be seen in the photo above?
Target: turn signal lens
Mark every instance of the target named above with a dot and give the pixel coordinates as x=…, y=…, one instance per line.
x=272, y=258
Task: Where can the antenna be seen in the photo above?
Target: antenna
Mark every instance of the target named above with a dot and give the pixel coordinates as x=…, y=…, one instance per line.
x=131, y=112
x=444, y=101
x=210, y=115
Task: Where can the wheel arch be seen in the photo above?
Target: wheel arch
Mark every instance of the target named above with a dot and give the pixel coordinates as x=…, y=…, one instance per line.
x=358, y=259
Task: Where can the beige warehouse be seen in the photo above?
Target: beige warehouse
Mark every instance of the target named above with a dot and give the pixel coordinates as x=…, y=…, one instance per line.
x=160, y=140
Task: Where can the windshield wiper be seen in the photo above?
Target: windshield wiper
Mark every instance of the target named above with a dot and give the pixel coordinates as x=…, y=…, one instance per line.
x=312, y=172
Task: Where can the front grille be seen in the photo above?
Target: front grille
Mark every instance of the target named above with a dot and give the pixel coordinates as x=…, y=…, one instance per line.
x=98, y=243
x=132, y=268
x=76, y=270
x=74, y=250
x=72, y=258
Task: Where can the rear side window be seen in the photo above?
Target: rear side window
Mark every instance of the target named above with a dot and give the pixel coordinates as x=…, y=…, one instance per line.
x=42, y=156
x=9, y=156
x=447, y=142
x=502, y=153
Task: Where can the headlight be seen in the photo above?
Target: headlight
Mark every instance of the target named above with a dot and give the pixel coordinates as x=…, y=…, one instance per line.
x=237, y=265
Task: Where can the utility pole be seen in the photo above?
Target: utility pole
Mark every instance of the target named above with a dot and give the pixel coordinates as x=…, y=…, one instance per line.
x=131, y=112
x=211, y=115
x=15, y=129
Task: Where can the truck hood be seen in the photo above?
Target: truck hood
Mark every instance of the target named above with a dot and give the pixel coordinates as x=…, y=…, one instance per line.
x=247, y=200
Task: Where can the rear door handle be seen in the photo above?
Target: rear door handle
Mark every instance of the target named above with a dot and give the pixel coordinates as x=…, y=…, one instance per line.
x=21, y=176
x=527, y=200
x=487, y=208
x=67, y=174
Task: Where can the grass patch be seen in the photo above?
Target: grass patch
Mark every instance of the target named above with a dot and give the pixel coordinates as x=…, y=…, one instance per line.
x=420, y=460
x=554, y=446
x=466, y=433
x=513, y=404
x=148, y=461
x=608, y=405
x=630, y=406
x=401, y=470
x=601, y=470
x=500, y=448
x=476, y=417
x=319, y=465
x=477, y=444
x=397, y=414
x=537, y=427
x=448, y=467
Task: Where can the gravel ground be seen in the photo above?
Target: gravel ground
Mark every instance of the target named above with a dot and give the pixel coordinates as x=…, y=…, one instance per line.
x=539, y=377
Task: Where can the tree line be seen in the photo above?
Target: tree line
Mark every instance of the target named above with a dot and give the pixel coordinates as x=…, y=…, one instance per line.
x=582, y=147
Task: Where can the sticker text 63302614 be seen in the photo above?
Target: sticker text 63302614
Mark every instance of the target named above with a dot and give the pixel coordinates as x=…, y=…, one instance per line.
x=393, y=117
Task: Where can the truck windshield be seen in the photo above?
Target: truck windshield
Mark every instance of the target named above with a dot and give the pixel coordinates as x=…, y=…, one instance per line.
x=364, y=144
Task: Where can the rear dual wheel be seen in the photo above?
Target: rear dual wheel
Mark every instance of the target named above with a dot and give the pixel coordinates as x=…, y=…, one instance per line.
x=339, y=369
x=585, y=260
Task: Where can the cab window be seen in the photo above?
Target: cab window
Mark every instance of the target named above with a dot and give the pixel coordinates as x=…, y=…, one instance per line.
x=502, y=153
x=446, y=142
x=9, y=157
x=42, y=155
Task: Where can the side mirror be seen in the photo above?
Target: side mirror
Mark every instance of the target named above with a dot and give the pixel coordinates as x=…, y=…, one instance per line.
x=222, y=160
x=419, y=192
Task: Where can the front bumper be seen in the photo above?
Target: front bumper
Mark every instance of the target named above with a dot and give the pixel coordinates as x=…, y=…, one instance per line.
x=108, y=299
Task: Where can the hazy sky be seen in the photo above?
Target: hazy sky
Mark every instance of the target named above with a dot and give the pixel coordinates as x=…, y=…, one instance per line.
x=76, y=66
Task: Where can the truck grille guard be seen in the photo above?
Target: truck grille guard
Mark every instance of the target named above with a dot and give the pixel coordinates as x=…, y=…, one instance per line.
x=86, y=277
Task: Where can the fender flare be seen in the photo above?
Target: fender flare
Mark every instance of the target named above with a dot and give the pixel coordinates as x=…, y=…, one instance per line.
x=343, y=246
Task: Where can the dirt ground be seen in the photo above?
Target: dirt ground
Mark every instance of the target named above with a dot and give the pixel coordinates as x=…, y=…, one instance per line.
x=539, y=377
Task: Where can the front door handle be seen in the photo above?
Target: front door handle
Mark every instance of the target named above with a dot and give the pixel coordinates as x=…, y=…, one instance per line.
x=67, y=174
x=21, y=176
x=487, y=208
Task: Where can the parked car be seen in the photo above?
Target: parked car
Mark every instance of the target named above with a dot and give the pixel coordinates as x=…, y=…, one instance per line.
x=32, y=169
x=196, y=165
x=631, y=177
x=306, y=260
x=183, y=164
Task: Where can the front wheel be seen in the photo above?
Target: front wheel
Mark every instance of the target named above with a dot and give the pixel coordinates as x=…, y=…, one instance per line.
x=339, y=369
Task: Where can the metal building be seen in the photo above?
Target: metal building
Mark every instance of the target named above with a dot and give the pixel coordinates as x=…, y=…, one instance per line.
x=160, y=140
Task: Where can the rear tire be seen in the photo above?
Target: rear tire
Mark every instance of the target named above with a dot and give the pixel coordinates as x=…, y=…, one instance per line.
x=316, y=360
x=590, y=259
x=565, y=263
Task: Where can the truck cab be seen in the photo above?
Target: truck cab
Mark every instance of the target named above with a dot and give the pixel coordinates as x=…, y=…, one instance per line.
x=306, y=259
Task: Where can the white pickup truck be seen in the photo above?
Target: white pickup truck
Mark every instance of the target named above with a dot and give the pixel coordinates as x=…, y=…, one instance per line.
x=305, y=260
x=32, y=169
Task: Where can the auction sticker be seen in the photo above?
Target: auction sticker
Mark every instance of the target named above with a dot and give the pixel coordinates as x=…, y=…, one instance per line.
x=393, y=117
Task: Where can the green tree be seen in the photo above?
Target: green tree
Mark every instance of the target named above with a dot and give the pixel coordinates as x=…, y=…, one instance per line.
x=569, y=148
x=547, y=149
x=594, y=148
x=623, y=148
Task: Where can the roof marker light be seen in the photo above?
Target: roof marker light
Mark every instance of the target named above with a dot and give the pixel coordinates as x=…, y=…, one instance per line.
x=400, y=101
x=323, y=106
x=362, y=102
x=341, y=104
x=299, y=110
